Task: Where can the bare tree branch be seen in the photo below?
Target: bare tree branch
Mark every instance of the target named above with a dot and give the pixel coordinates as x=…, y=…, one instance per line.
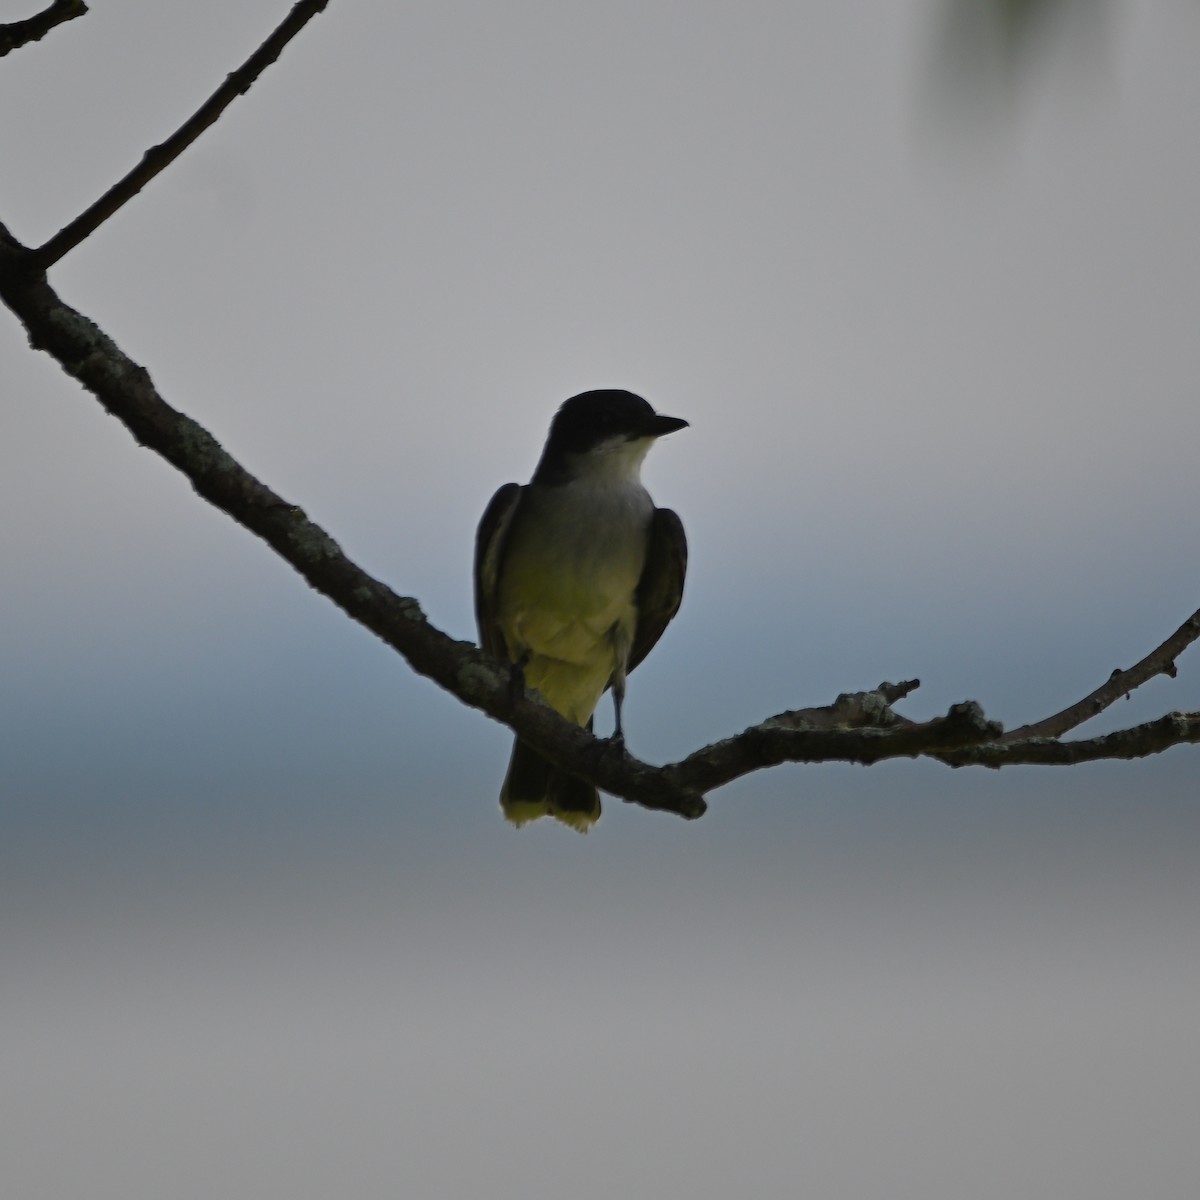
x=1160, y=661
x=773, y=742
x=860, y=728
x=158, y=157
x=20, y=33
x=1139, y=741
x=126, y=391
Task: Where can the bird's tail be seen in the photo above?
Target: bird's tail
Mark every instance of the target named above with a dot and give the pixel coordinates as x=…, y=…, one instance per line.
x=534, y=788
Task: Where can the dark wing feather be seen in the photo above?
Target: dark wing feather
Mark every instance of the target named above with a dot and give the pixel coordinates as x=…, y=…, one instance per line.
x=489, y=552
x=660, y=588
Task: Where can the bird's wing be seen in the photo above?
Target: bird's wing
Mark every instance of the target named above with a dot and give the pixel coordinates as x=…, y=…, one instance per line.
x=660, y=588
x=489, y=548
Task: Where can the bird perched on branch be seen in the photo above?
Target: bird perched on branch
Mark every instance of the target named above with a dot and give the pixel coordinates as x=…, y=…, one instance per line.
x=576, y=576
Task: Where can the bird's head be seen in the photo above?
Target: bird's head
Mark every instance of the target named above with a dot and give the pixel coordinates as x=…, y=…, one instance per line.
x=607, y=430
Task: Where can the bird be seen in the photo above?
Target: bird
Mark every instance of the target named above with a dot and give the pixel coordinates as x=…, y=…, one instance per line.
x=577, y=574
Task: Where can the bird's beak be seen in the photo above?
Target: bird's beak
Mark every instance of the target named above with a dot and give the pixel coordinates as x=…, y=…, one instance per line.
x=660, y=426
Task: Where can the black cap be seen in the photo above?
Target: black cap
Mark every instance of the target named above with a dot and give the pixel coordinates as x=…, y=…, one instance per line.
x=598, y=416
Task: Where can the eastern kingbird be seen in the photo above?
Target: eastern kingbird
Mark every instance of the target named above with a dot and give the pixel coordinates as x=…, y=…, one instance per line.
x=576, y=576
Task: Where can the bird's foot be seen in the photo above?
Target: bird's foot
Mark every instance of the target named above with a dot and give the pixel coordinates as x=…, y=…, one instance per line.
x=516, y=678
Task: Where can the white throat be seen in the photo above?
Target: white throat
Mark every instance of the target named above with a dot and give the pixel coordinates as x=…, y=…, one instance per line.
x=613, y=463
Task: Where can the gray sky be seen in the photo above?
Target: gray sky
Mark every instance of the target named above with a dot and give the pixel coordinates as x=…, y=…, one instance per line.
x=264, y=930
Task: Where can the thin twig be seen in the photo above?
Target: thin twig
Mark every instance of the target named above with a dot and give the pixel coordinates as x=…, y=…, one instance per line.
x=158, y=157
x=1138, y=741
x=20, y=33
x=1160, y=661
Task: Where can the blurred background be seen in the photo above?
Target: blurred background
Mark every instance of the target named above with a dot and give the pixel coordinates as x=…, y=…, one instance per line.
x=925, y=278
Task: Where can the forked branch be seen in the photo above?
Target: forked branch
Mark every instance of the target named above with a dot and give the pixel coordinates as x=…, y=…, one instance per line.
x=1160, y=661
x=860, y=728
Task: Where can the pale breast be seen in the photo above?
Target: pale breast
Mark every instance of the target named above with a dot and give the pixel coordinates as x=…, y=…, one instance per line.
x=571, y=567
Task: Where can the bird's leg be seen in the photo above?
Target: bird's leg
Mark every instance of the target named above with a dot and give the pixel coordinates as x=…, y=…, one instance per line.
x=618, y=691
x=621, y=638
x=516, y=677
